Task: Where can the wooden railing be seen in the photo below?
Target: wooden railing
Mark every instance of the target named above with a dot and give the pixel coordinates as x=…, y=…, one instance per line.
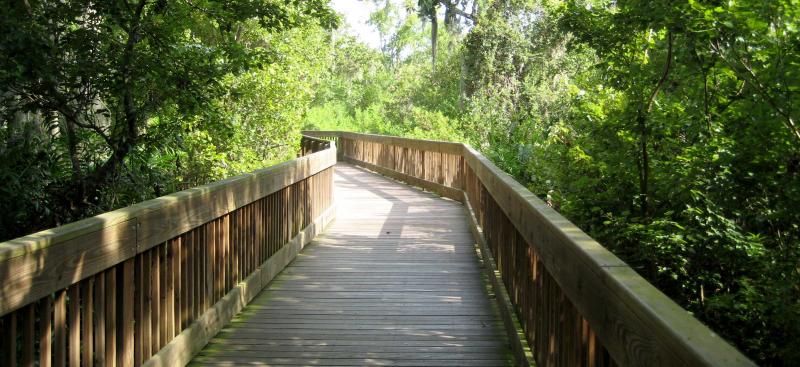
x=576, y=302
x=150, y=284
x=309, y=144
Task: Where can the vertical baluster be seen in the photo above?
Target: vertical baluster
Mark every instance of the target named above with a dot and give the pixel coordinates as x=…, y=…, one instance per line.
x=127, y=337
x=208, y=251
x=199, y=273
x=138, y=310
x=87, y=328
x=74, y=325
x=194, y=257
x=100, y=319
x=217, y=260
x=223, y=256
x=234, y=248
x=191, y=281
x=111, y=318
x=28, y=331
x=147, y=301
x=156, y=304
x=171, y=268
x=9, y=344
x=45, y=332
x=183, y=274
x=60, y=329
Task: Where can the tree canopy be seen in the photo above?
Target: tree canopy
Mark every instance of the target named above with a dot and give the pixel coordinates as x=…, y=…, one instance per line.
x=100, y=98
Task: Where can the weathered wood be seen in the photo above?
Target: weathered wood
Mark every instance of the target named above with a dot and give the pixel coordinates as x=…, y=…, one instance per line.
x=307, y=301
x=513, y=328
x=28, y=331
x=74, y=325
x=87, y=327
x=110, y=317
x=637, y=323
x=182, y=348
x=100, y=319
x=438, y=188
x=170, y=290
x=41, y=263
x=157, y=299
x=427, y=145
x=31, y=276
x=9, y=340
x=45, y=332
x=60, y=329
x=126, y=329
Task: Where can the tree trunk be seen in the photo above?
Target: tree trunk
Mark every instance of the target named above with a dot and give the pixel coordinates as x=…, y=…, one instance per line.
x=434, y=36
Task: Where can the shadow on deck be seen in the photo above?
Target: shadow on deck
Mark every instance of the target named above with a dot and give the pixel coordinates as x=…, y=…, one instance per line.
x=394, y=280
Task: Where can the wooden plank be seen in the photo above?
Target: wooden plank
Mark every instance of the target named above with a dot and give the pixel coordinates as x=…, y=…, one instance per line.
x=177, y=213
x=439, y=189
x=156, y=302
x=100, y=319
x=110, y=341
x=45, y=332
x=171, y=268
x=138, y=310
x=144, y=320
x=87, y=327
x=182, y=285
x=33, y=275
x=74, y=325
x=9, y=343
x=60, y=329
x=190, y=259
x=126, y=352
x=429, y=145
x=28, y=335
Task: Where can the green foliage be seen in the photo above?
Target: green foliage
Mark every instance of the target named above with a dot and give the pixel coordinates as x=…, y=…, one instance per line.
x=665, y=130
x=104, y=104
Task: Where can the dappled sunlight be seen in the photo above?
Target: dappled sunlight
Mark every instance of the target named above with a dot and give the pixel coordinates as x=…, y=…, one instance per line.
x=393, y=279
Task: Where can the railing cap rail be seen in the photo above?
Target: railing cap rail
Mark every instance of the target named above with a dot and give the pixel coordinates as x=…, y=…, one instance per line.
x=636, y=321
x=421, y=144
x=125, y=232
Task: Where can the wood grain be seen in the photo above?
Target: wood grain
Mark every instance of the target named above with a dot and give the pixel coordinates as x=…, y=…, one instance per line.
x=44, y=262
x=376, y=274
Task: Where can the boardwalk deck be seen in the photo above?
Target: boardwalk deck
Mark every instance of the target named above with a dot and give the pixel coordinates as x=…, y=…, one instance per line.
x=393, y=281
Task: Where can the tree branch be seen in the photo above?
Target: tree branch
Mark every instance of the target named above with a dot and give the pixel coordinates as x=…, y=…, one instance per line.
x=454, y=8
x=664, y=75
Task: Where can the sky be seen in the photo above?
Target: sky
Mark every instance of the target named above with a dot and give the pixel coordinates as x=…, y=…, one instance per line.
x=355, y=15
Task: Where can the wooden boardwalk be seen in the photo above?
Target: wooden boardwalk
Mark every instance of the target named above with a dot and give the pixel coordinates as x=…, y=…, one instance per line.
x=393, y=281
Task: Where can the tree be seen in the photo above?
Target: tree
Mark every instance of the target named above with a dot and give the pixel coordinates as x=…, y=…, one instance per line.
x=94, y=75
x=428, y=9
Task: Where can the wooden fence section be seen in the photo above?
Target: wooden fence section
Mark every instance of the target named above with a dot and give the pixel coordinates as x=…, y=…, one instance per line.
x=578, y=304
x=309, y=144
x=435, y=166
x=151, y=283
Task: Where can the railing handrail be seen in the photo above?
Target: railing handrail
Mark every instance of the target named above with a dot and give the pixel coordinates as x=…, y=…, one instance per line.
x=636, y=322
x=438, y=146
x=113, y=237
x=309, y=137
